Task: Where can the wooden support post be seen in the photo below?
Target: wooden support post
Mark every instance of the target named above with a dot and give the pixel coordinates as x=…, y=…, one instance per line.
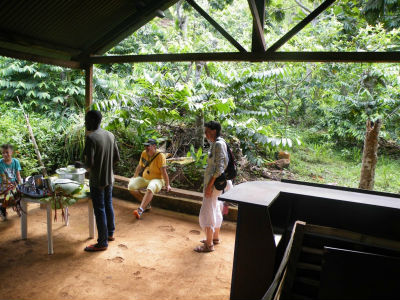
x=24, y=220
x=258, y=42
x=88, y=86
x=50, y=249
x=254, y=257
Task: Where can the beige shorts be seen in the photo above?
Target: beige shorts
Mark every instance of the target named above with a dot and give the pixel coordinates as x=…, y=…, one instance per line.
x=154, y=185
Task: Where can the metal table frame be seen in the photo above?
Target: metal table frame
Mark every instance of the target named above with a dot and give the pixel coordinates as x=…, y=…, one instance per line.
x=24, y=220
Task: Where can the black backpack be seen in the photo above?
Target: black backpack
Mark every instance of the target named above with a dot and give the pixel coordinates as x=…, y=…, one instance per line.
x=230, y=171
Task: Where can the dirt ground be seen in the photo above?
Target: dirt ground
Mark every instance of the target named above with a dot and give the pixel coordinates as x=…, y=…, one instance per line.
x=151, y=258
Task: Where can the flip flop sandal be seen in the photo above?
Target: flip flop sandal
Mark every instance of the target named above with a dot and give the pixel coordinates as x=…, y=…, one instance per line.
x=204, y=248
x=95, y=247
x=215, y=242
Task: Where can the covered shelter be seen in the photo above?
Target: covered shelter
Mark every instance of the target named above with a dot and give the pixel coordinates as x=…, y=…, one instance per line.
x=76, y=34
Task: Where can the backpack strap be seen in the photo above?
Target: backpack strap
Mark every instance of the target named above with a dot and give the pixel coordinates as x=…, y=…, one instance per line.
x=149, y=162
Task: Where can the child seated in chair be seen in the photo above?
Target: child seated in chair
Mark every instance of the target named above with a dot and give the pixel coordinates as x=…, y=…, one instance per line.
x=9, y=176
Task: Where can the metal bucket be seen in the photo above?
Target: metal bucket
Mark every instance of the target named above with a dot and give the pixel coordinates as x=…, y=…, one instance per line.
x=76, y=175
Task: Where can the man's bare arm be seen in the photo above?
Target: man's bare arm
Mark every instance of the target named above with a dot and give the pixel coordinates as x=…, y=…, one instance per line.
x=166, y=178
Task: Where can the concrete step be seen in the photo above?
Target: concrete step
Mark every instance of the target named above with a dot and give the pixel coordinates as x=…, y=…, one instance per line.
x=179, y=200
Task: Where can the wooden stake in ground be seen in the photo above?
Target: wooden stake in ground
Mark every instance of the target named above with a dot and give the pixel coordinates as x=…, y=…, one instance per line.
x=370, y=155
x=39, y=157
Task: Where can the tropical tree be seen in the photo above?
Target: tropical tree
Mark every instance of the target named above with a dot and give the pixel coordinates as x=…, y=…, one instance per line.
x=56, y=90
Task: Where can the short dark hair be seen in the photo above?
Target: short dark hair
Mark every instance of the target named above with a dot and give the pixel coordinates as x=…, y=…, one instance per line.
x=93, y=120
x=214, y=125
x=7, y=146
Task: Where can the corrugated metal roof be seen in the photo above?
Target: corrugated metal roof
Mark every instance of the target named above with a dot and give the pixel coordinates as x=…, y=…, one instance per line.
x=71, y=32
x=71, y=29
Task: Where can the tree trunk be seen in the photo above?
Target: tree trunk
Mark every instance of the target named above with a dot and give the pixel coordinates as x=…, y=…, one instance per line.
x=189, y=72
x=182, y=19
x=370, y=155
x=199, y=68
x=199, y=139
x=32, y=136
x=35, y=146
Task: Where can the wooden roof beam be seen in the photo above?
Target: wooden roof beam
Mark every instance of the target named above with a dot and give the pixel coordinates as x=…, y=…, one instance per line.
x=40, y=59
x=26, y=41
x=343, y=57
x=88, y=87
x=258, y=11
x=300, y=25
x=216, y=25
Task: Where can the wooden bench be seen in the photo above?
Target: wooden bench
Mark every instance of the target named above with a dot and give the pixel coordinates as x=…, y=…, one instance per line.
x=124, y=181
x=177, y=199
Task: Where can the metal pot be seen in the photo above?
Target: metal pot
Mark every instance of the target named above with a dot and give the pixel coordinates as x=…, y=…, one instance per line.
x=75, y=174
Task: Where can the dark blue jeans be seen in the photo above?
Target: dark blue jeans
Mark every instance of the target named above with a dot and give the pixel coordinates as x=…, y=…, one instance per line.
x=104, y=213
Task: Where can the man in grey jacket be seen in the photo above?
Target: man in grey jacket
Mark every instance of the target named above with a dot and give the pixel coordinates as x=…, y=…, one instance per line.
x=101, y=152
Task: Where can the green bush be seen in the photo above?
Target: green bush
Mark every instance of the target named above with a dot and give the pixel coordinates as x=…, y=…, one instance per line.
x=60, y=141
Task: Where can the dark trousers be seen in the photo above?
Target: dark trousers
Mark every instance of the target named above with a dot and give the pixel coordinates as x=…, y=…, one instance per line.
x=104, y=213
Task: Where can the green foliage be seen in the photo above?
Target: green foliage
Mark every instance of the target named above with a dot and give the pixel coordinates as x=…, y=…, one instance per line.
x=355, y=14
x=386, y=178
x=193, y=177
x=199, y=157
x=220, y=4
x=383, y=10
x=320, y=153
x=331, y=167
x=351, y=154
x=358, y=93
x=48, y=134
x=74, y=142
x=56, y=90
x=257, y=139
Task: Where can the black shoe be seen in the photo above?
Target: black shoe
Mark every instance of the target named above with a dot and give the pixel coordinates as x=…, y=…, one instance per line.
x=95, y=248
x=3, y=213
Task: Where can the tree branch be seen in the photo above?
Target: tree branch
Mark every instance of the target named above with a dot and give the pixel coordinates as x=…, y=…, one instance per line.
x=189, y=72
x=303, y=7
x=277, y=93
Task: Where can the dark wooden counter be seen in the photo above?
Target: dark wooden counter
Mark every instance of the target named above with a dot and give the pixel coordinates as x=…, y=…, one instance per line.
x=265, y=192
x=271, y=207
